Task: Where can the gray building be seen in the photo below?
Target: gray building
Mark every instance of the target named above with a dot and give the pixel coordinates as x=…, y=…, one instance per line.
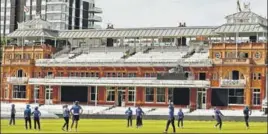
x=62, y=14
x=11, y=12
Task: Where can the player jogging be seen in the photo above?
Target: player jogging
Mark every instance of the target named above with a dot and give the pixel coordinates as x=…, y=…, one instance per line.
x=246, y=112
x=27, y=117
x=66, y=117
x=217, y=116
x=139, y=114
x=12, y=117
x=171, y=118
x=36, y=114
x=129, y=117
x=76, y=110
x=180, y=118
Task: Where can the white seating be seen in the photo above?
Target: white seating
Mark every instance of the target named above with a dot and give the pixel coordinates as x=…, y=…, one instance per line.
x=164, y=111
x=122, y=110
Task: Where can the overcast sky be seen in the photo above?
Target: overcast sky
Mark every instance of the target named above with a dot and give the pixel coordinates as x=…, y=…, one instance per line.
x=168, y=13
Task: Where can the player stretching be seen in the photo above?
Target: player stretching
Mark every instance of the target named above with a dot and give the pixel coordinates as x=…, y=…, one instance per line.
x=218, y=115
x=129, y=117
x=36, y=113
x=13, y=112
x=66, y=116
x=246, y=112
x=171, y=118
x=27, y=117
x=180, y=118
x=76, y=110
x=139, y=114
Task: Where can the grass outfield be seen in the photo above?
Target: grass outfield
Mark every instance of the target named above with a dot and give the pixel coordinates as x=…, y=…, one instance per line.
x=119, y=126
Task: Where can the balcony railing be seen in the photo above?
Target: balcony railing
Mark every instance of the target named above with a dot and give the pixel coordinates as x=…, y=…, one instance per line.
x=232, y=61
x=17, y=80
x=195, y=62
x=232, y=83
x=95, y=18
x=95, y=10
x=18, y=62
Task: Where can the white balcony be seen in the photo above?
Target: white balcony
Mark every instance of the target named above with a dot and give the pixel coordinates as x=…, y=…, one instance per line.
x=17, y=80
x=95, y=18
x=95, y=10
x=232, y=83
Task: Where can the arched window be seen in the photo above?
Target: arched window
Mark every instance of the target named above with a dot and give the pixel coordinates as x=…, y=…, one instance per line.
x=20, y=73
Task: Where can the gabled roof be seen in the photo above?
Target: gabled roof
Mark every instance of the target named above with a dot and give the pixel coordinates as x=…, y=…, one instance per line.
x=242, y=28
x=34, y=33
x=244, y=14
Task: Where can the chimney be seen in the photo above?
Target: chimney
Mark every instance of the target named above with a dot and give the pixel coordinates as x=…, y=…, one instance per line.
x=184, y=24
x=180, y=24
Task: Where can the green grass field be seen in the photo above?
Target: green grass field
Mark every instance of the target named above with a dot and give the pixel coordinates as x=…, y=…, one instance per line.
x=150, y=126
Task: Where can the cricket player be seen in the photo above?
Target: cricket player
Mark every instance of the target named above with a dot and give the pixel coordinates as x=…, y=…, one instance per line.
x=217, y=116
x=36, y=114
x=27, y=117
x=171, y=118
x=76, y=110
x=12, y=117
x=246, y=113
x=129, y=117
x=139, y=114
x=180, y=118
x=66, y=116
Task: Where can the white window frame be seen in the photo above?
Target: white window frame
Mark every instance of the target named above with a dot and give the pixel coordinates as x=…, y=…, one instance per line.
x=149, y=88
x=14, y=92
x=95, y=93
x=108, y=90
x=158, y=96
x=236, y=96
x=256, y=91
x=36, y=88
x=131, y=90
x=6, y=96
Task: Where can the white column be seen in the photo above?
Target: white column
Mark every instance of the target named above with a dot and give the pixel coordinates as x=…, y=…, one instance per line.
x=236, y=44
x=96, y=95
x=257, y=40
x=55, y=43
x=135, y=96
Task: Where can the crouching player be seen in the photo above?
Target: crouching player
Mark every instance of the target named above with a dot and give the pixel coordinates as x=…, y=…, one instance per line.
x=180, y=118
x=66, y=116
x=36, y=114
x=139, y=114
x=129, y=117
x=217, y=116
x=76, y=110
x=246, y=113
x=171, y=118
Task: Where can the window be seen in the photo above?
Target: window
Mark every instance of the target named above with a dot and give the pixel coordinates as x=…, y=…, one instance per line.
x=132, y=75
x=36, y=92
x=110, y=93
x=93, y=93
x=218, y=55
x=215, y=76
x=256, y=97
x=20, y=73
x=6, y=92
x=149, y=94
x=170, y=94
x=19, y=92
x=257, y=55
x=236, y=96
x=160, y=95
x=256, y=76
x=131, y=94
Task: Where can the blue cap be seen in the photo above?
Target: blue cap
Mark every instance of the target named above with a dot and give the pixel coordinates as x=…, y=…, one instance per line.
x=13, y=105
x=28, y=106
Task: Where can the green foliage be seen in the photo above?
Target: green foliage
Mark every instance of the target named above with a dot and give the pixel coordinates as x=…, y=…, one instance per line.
x=149, y=126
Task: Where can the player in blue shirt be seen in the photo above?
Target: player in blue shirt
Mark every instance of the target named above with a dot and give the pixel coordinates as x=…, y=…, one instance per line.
x=129, y=117
x=139, y=114
x=66, y=116
x=180, y=118
x=217, y=116
x=171, y=118
x=36, y=114
x=76, y=110
x=13, y=112
x=27, y=117
x=246, y=113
